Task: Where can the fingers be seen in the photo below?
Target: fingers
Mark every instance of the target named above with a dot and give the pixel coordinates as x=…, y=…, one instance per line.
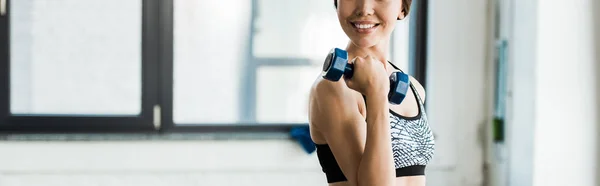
x=349, y=83
x=373, y=59
x=359, y=61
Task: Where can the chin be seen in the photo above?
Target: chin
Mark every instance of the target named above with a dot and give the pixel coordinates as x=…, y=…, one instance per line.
x=365, y=42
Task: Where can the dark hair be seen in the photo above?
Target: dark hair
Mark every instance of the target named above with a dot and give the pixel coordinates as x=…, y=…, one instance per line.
x=405, y=6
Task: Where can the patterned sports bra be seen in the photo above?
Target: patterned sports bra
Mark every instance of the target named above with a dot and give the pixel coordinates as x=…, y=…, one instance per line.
x=413, y=145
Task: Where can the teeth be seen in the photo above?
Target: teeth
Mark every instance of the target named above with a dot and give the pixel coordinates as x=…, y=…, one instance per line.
x=364, y=25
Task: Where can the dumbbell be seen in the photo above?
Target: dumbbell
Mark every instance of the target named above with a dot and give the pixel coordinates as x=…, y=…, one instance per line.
x=336, y=65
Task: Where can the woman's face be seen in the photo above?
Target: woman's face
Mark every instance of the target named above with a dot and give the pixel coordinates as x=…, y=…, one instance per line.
x=368, y=22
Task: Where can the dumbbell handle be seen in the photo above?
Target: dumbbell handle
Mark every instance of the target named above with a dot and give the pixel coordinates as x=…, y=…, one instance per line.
x=349, y=71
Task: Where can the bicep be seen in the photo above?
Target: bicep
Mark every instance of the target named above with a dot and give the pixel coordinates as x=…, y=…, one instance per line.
x=344, y=130
x=347, y=143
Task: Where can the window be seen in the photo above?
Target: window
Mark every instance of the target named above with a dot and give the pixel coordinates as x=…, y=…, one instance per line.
x=81, y=65
x=208, y=60
x=67, y=58
x=75, y=65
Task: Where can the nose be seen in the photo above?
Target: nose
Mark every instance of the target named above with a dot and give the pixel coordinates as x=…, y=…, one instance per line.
x=364, y=8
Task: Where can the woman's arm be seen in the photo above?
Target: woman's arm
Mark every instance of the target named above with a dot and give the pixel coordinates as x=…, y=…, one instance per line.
x=365, y=158
x=376, y=166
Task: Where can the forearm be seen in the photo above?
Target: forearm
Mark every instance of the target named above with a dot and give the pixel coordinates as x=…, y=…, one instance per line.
x=376, y=165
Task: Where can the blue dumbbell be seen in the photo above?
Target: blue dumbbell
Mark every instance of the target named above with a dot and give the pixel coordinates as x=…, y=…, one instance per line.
x=336, y=65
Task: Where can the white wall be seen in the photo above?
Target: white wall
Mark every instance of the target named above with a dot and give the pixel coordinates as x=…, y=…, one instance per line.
x=520, y=106
x=457, y=87
x=552, y=126
x=154, y=163
x=596, y=5
x=128, y=163
x=565, y=116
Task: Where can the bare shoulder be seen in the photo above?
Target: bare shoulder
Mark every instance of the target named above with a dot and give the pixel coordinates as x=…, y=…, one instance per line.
x=322, y=88
x=419, y=87
x=331, y=103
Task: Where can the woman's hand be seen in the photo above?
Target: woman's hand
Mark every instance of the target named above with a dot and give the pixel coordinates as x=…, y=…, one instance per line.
x=370, y=77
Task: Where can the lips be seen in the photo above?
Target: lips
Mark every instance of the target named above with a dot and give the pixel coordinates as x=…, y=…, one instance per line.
x=365, y=27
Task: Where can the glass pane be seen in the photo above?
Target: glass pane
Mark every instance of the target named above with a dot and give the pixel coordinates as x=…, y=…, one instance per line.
x=283, y=93
x=298, y=29
x=210, y=49
x=75, y=57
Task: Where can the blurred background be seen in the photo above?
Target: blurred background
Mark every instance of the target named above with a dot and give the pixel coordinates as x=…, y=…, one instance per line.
x=201, y=92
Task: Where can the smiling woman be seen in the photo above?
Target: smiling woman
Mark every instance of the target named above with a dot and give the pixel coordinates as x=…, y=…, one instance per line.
x=394, y=144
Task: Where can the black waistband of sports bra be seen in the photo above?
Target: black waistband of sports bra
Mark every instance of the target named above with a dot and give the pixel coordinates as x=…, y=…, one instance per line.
x=415, y=170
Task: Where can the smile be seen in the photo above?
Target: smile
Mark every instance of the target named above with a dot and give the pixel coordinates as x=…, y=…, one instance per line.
x=364, y=27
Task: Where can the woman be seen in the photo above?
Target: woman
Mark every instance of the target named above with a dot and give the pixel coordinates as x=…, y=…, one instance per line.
x=362, y=140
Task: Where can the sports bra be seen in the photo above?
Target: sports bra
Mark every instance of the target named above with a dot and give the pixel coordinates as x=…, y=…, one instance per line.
x=413, y=145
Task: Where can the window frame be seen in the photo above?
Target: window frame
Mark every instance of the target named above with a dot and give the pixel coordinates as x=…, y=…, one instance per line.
x=37, y=123
x=418, y=41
